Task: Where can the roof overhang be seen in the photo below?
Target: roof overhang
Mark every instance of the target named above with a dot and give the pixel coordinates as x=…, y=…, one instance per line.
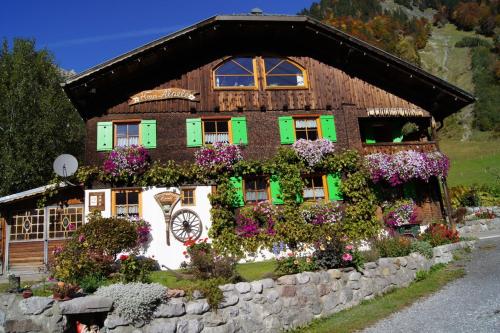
x=94, y=89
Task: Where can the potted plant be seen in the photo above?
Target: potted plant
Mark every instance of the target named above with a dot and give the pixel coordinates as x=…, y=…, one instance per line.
x=63, y=291
x=27, y=292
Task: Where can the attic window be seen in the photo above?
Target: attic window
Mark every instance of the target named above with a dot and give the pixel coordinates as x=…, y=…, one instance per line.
x=235, y=73
x=282, y=73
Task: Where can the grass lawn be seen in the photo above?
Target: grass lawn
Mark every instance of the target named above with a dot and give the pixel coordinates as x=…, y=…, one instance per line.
x=473, y=162
x=369, y=312
x=248, y=271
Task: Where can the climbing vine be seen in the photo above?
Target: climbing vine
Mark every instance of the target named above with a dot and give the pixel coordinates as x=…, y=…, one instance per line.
x=236, y=230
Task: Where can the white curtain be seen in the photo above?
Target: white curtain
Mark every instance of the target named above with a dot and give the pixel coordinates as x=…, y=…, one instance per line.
x=305, y=123
x=213, y=138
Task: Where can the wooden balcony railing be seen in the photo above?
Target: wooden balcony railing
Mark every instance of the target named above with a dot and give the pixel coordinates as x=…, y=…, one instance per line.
x=391, y=147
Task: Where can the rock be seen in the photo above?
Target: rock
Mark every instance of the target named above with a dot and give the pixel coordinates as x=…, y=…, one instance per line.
x=323, y=289
x=345, y=296
x=174, y=293
x=161, y=326
x=6, y=300
x=272, y=296
x=243, y=287
x=267, y=283
x=371, y=265
x=257, y=287
x=228, y=300
x=212, y=319
x=113, y=321
x=171, y=309
x=197, y=307
x=35, y=305
x=324, y=277
x=401, y=261
x=2, y=317
x=336, y=285
x=197, y=294
x=88, y=304
x=189, y=326
x=227, y=287
x=353, y=285
x=21, y=326
x=329, y=303
x=335, y=273
x=247, y=296
x=303, y=278
x=259, y=299
x=353, y=276
x=288, y=291
x=286, y=279
x=227, y=328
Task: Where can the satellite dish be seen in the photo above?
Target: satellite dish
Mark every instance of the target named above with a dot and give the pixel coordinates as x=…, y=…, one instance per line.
x=65, y=165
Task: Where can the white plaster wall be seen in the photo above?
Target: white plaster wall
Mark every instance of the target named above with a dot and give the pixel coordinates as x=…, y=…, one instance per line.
x=171, y=256
x=107, y=202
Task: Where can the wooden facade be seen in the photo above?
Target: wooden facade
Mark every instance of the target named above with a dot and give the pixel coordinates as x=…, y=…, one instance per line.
x=344, y=77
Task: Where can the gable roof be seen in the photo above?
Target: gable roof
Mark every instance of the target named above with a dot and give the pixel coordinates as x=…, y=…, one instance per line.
x=328, y=43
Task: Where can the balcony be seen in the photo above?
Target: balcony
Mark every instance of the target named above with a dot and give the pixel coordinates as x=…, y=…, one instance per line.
x=394, y=147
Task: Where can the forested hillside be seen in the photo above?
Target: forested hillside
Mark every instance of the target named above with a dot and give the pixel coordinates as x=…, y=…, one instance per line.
x=455, y=40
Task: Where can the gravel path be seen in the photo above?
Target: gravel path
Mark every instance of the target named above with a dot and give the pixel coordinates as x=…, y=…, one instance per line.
x=470, y=304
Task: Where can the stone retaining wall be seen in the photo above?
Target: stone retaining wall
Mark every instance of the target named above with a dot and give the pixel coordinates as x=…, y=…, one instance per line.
x=260, y=306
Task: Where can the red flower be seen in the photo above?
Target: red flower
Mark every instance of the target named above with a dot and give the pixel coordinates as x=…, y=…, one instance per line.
x=184, y=252
x=123, y=257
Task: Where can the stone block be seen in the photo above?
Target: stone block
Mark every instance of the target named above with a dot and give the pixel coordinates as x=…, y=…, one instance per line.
x=335, y=273
x=113, y=321
x=257, y=287
x=35, y=305
x=247, y=296
x=267, y=283
x=228, y=300
x=197, y=307
x=302, y=278
x=175, y=293
x=286, y=279
x=227, y=287
x=171, y=309
x=288, y=291
x=212, y=319
x=324, y=289
x=371, y=265
x=161, y=326
x=353, y=285
x=243, y=287
x=21, y=326
x=352, y=276
x=88, y=304
x=272, y=296
x=189, y=326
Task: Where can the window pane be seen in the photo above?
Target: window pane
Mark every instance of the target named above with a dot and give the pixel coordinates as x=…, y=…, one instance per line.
x=209, y=126
x=271, y=62
x=234, y=81
x=230, y=68
x=222, y=126
x=312, y=135
x=122, y=142
x=285, y=68
x=261, y=184
x=121, y=198
x=251, y=196
x=121, y=130
x=262, y=195
x=317, y=181
x=133, y=198
x=133, y=140
x=301, y=135
x=285, y=80
x=133, y=130
x=300, y=123
x=247, y=63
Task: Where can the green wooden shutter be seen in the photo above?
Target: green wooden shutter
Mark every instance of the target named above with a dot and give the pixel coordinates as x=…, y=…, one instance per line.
x=369, y=135
x=328, y=127
x=333, y=182
x=276, y=196
x=104, y=136
x=239, y=130
x=396, y=135
x=287, y=134
x=237, y=183
x=193, y=132
x=148, y=133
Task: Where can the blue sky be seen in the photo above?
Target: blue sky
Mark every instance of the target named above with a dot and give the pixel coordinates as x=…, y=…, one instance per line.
x=84, y=33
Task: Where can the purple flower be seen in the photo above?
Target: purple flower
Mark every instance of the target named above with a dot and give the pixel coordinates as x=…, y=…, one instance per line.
x=219, y=154
x=126, y=161
x=313, y=151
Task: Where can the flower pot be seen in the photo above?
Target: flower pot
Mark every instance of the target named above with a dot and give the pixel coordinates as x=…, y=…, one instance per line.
x=27, y=293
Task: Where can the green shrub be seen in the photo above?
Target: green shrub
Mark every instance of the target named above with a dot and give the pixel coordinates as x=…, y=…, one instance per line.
x=335, y=253
x=206, y=263
x=440, y=234
x=294, y=265
x=422, y=247
x=393, y=246
x=421, y=275
x=473, y=42
x=90, y=283
x=94, y=247
x=136, y=269
x=371, y=255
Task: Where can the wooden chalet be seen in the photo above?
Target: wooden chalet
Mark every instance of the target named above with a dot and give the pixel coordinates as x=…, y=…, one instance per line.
x=262, y=81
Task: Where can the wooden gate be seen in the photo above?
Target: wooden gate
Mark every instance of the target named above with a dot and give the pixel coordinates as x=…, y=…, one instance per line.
x=34, y=234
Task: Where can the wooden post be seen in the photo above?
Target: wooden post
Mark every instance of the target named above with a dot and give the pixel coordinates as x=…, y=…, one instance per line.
x=447, y=202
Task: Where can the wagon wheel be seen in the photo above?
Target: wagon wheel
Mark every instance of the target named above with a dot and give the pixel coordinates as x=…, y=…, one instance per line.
x=186, y=224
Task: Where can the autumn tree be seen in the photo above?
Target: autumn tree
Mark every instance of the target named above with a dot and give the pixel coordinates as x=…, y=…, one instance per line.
x=37, y=121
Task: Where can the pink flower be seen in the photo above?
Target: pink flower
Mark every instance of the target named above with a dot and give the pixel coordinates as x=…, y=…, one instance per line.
x=81, y=238
x=347, y=257
x=349, y=247
x=72, y=226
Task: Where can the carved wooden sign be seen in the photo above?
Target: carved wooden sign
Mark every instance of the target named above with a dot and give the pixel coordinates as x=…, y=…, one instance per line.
x=96, y=201
x=162, y=94
x=167, y=201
